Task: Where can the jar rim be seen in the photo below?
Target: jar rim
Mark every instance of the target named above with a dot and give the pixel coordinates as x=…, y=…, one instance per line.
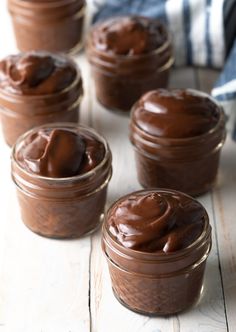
x=159, y=254
x=48, y=5
x=71, y=126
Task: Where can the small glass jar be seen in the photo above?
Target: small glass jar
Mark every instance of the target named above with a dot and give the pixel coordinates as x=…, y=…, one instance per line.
x=120, y=80
x=62, y=207
x=157, y=283
x=187, y=164
x=54, y=25
x=21, y=112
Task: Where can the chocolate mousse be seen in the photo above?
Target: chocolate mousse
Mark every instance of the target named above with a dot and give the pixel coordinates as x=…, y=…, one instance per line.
x=52, y=25
x=61, y=172
x=156, y=222
x=60, y=153
x=177, y=135
x=156, y=243
x=36, y=73
x=37, y=88
x=129, y=55
x=129, y=36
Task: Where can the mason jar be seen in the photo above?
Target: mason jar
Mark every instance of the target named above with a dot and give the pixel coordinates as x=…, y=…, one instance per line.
x=121, y=79
x=21, y=111
x=54, y=25
x=176, y=150
x=62, y=207
x=155, y=282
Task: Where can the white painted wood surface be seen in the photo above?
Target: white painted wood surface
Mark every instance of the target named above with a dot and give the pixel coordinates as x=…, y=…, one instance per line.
x=64, y=286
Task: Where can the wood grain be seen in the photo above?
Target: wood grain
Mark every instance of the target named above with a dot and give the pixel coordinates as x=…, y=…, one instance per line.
x=224, y=197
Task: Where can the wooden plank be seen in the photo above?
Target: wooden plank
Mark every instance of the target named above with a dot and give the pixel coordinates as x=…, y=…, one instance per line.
x=107, y=313
x=4, y=195
x=209, y=315
x=86, y=104
x=44, y=284
x=224, y=197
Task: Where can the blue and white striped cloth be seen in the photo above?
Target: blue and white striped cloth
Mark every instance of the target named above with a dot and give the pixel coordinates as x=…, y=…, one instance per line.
x=202, y=33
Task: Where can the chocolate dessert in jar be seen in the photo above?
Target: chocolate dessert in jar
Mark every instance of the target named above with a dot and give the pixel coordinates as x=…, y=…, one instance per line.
x=51, y=25
x=177, y=136
x=37, y=88
x=61, y=172
x=129, y=56
x=156, y=243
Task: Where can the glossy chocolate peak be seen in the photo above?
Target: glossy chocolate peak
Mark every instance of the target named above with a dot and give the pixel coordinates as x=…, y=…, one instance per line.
x=176, y=113
x=156, y=221
x=129, y=35
x=60, y=153
x=36, y=73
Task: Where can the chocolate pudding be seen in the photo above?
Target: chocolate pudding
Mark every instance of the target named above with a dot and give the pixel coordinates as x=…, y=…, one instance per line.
x=54, y=25
x=61, y=172
x=129, y=56
x=37, y=88
x=177, y=136
x=156, y=243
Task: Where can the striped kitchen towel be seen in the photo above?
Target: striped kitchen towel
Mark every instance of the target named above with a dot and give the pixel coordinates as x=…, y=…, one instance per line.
x=203, y=34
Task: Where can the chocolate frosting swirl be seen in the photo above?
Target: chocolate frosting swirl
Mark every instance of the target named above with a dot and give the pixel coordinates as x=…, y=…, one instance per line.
x=129, y=35
x=36, y=73
x=176, y=113
x=156, y=221
x=60, y=153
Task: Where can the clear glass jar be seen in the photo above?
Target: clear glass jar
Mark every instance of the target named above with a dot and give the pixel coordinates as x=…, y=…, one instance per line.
x=20, y=113
x=187, y=164
x=62, y=207
x=157, y=283
x=120, y=80
x=54, y=25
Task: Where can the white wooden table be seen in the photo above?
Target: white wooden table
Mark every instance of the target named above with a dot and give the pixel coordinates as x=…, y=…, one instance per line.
x=63, y=286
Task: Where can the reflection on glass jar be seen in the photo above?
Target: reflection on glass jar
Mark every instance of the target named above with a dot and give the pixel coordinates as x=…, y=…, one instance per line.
x=61, y=172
